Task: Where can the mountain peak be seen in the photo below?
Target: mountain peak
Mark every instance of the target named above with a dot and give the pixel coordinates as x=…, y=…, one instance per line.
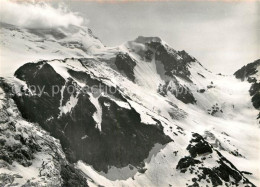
x=144, y=39
x=248, y=70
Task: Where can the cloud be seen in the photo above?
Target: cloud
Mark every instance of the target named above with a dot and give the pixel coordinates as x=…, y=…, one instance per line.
x=37, y=15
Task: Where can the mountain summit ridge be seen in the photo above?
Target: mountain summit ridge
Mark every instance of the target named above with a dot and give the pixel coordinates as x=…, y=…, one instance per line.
x=138, y=114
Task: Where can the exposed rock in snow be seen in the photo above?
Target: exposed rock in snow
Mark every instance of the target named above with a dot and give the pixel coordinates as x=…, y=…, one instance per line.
x=126, y=64
x=29, y=156
x=251, y=73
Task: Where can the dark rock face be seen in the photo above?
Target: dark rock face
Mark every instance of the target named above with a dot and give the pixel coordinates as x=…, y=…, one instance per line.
x=39, y=76
x=255, y=93
x=245, y=73
x=175, y=63
x=124, y=133
x=72, y=177
x=169, y=58
x=225, y=173
x=186, y=162
x=186, y=58
x=126, y=64
x=123, y=139
x=198, y=146
x=26, y=144
x=181, y=92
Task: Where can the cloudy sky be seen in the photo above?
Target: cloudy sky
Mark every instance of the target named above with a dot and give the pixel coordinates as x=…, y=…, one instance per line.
x=222, y=35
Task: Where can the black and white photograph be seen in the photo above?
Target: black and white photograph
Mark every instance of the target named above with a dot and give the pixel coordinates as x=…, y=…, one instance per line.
x=130, y=93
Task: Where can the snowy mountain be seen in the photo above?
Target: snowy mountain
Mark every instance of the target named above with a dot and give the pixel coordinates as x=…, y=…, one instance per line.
x=251, y=73
x=77, y=113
